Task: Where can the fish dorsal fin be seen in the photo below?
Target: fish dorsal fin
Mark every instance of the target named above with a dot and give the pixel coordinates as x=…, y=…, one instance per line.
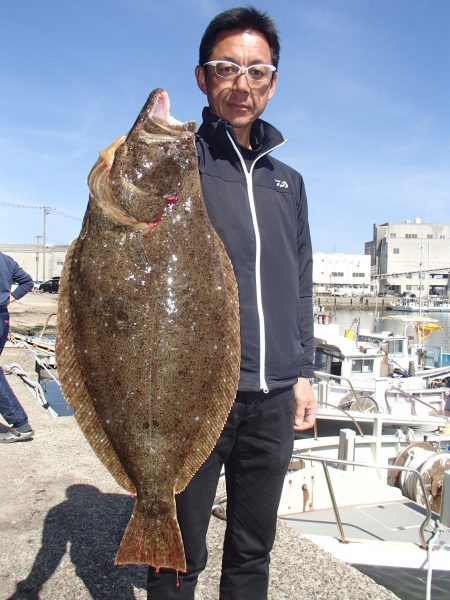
x=74, y=387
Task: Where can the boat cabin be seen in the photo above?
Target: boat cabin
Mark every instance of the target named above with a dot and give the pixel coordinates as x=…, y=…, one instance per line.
x=398, y=348
x=337, y=355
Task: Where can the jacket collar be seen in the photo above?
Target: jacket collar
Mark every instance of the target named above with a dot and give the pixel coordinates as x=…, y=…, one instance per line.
x=263, y=136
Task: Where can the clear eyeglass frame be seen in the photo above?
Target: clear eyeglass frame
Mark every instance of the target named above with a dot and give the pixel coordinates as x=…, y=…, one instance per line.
x=229, y=71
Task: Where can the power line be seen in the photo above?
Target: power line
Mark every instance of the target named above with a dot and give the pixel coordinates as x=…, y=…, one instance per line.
x=47, y=209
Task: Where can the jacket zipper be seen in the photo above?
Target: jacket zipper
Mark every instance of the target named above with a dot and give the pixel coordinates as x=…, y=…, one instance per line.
x=259, y=305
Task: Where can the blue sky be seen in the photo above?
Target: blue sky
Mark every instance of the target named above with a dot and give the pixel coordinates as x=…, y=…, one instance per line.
x=363, y=98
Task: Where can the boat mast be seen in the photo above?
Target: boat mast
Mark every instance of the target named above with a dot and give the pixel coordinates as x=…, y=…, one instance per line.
x=419, y=331
x=420, y=275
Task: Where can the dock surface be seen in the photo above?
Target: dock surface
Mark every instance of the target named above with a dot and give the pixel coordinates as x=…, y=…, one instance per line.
x=62, y=517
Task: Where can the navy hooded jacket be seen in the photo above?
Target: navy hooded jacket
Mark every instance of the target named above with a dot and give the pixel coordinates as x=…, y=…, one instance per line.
x=11, y=272
x=258, y=207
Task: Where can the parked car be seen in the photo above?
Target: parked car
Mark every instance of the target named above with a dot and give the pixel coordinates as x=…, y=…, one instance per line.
x=37, y=284
x=51, y=286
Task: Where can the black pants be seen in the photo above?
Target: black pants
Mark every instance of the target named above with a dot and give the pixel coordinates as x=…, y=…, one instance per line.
x=255, y=447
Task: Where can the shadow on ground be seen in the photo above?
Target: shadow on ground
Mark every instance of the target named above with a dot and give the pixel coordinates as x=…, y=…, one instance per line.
x=89, y=526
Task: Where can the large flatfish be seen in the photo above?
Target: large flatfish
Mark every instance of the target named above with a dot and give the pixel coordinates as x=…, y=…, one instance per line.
x=148, y=345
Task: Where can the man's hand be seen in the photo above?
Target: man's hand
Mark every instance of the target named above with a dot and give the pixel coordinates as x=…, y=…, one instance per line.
x=305, y=405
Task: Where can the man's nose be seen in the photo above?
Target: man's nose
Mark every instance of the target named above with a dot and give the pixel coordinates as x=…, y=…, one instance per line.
x=241, y=83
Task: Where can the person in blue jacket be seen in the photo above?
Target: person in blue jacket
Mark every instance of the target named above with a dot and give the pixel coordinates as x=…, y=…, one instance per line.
x=10, y=407
x=258, y=207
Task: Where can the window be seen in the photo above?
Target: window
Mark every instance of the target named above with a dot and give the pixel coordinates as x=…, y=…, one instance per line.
x=409, y=287
x=411, y=235
x=392, y=235
x=59, y=262
x=362, y=365
x=396, y=251
x=408, y=275
x=357, y=274
x=442, y=237
x=430, y=236
x=337, y=274
x=395, y=346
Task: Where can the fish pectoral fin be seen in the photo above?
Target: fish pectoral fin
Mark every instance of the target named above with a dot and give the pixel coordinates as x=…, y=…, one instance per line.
x=151, y=541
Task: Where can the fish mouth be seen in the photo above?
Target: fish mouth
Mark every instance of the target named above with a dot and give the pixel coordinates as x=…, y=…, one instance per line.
x=155, y=117
x=161, y=110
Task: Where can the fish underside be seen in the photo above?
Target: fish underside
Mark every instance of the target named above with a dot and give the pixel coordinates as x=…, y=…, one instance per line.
x=148, y=345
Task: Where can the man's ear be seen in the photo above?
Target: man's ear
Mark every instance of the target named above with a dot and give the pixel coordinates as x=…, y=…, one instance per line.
x=201, y=79
x=273, y=86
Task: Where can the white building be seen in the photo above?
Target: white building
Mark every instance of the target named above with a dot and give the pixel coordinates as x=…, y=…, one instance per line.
x=344, y=274
x=40, y=263
x=411, y=255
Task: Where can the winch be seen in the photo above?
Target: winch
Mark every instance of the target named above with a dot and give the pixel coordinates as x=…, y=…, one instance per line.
x=430, y=464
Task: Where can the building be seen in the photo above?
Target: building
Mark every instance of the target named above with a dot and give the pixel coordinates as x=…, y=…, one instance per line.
x=410, y=257
x=40, y=263
x=341, y=274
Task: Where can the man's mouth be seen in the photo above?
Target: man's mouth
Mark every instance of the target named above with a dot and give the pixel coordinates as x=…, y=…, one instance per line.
x=236, y=106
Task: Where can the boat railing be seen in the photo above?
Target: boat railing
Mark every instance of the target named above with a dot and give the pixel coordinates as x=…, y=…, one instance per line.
x=337, y=461
x=351, y=417
x=339, y=378
x=413, y=398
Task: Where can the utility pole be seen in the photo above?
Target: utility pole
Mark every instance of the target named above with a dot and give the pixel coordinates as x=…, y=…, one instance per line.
x=38, y=237
x=47, y=211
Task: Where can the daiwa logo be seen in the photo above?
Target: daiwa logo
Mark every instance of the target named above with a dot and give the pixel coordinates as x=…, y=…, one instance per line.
x=281, y=184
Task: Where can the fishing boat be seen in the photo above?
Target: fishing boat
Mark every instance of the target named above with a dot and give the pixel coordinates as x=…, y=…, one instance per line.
x=415, y=305
x=377, y=374
x=378, y=502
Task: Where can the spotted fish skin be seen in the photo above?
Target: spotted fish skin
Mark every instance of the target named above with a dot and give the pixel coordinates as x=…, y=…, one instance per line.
x=148, y=344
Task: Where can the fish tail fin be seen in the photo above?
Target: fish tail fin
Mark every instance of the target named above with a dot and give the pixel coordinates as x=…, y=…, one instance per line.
x=150, y=541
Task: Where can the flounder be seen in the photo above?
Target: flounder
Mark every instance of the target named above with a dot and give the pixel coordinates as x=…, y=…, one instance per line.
x=148, y=345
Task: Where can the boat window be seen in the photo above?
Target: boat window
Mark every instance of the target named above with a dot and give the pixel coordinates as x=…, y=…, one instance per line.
x=336, y=366
x=366, y=338
x=320, y=361
x=395, y=346
x=364, y=365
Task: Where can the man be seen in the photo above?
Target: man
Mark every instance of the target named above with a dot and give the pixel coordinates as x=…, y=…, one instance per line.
x=10, y=407
x=258, y=207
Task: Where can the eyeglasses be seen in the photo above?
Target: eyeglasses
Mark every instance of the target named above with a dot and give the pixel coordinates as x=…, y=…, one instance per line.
x=230, y=71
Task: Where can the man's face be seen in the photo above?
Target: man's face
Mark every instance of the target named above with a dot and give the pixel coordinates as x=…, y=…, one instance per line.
x=237, y=101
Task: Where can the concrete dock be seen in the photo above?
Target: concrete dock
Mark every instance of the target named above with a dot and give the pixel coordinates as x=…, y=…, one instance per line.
x=62, y=517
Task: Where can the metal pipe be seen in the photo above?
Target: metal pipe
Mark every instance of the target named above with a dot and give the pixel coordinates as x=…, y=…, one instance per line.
x=334, y=503
x=324, y=375
x=338, y=461
x=411, y=397
x=357, y=425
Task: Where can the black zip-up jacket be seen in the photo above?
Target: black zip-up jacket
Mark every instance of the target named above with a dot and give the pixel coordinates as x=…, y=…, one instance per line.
x=258, y=207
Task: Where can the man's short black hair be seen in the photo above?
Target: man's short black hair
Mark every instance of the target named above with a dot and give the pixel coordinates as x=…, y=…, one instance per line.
x=240, y=19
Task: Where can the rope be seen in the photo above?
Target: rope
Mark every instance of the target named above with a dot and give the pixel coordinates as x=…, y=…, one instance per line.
x=415, y=460
x=36, y=387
